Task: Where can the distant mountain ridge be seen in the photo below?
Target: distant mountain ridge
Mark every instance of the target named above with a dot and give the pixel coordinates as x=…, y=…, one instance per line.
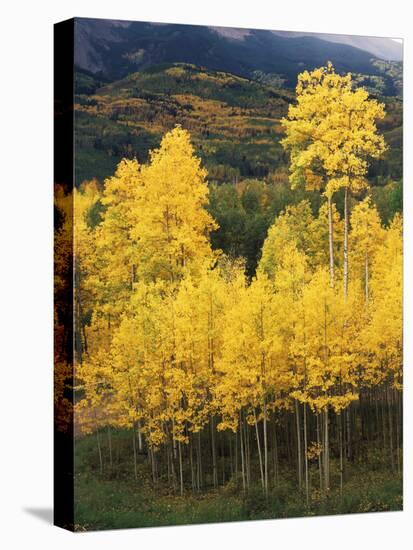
x=382, y=48
x=113, y=49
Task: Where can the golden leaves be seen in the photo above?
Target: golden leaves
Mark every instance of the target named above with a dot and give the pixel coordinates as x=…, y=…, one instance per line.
x=177, y=336
x=331, y=132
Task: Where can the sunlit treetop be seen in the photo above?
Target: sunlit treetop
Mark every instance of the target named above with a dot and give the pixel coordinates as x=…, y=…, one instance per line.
x=331, y=132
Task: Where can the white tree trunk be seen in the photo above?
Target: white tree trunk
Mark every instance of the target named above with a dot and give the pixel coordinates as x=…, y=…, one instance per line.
x=259, y=450
x=345, y=266
x=330, y=240
x=300, y=468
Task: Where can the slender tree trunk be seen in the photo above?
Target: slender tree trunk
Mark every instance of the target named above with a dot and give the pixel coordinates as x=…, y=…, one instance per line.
x=200, y=477
x=349, y=435
x=135, y=462
x=168, y=463
x=397, y=399
x=155, y=467
x=265, y=450
x=326, y=440
x=298, y=429
x=389, y=409
x=231, y=456
x=366, y=274
x=214, y=453
x=151, y=461
x=241, y=442
x=223, y=458
x=236, y=456
x=140, y=445
x=173, y=439
x=305, y=454
x=171, y=459
x=376, y=407
x=340, y=432
x=99, y=451
x=383, y=418
x=326, y=453
x=275, y=454
x=345, y=265
x=320, y=469
x=287, y=432
x=330, y=239
x=110, y=448
x=259, y=451
x=191, y=460
x=181, y=475
x=246, y=444
x=84, y=338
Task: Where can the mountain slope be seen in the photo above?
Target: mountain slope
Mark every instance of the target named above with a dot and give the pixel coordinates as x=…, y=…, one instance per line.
x=234, y=121
x=382, y=48
x=113, y=49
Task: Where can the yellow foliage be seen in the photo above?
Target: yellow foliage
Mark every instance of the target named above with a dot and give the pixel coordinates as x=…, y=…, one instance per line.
x=178, y=335
x=331, y=132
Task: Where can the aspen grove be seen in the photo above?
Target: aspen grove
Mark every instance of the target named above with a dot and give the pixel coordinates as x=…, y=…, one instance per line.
x=219, y=378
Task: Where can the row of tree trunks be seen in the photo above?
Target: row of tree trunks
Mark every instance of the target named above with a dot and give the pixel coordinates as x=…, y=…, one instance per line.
x=262, y=442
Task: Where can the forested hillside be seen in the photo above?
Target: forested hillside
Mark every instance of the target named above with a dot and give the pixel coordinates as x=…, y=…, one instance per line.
x=234, y=121
x=238, y=302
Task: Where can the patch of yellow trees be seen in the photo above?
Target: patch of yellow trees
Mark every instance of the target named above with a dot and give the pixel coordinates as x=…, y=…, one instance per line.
x=221, y=377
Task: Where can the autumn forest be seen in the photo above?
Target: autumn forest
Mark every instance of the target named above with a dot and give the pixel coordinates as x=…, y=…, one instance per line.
x=231, y=367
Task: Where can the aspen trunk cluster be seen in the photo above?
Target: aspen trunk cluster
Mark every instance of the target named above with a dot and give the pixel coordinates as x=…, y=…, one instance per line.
x=319, y=446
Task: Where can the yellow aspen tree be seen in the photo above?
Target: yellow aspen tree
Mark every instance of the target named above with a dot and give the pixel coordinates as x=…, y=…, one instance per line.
x=172, y=225
x=142, y=352
x=298, y=226
x=331, y=134
x=290, y=278
x=383, y=335
x=294, y=226
x=382, y=338
x=199, y=341
x=330, y=323
x=365, y=237
x=114, y=260
x=321, y=237
x=165, y=349
x=249, y=375
x=84, y=199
